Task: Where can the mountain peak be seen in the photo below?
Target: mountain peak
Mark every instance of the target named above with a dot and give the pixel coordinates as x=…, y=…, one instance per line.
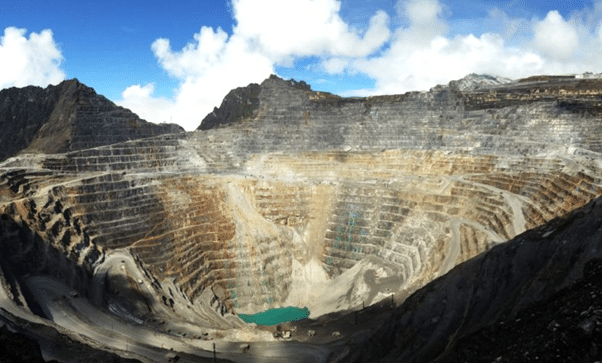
x=64, y=117
x=475, y=81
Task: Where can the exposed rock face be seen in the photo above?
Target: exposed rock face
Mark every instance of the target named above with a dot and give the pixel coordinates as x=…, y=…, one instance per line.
x=567, y=327
x=66, y=117
x=17, y=348
x=473, y=82
x=240, y=103
x=295, y=197
x=493, y=287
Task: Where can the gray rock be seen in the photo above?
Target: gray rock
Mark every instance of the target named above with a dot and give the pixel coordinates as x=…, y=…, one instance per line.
x=66, y=117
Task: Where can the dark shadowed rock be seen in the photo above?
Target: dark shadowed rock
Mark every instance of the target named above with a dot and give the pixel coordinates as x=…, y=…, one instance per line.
x=18, y=348
x=25, y=346
x=66, y=117
x=242, y=103
x=566, y=327
x=497, y=287
x=239, y=103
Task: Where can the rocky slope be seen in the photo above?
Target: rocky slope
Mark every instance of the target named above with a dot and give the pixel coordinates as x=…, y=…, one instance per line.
x=18, y=348
x=290, y=197
x=499, y=289
x=566, y=327
x=68, y=116
x=240, y=103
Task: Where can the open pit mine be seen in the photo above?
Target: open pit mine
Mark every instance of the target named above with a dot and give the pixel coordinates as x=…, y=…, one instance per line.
x=401, y=223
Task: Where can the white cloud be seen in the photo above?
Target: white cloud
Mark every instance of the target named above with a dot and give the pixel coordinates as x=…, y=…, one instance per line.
x=305, y=28
x=422, y=55
x=138, y=97
x=509, y=26
x=556, y=37
x=29, y=61
x=207, y=68
x=421, y=13
x=572, y=45
x=335, y=65
x=214, y=62
x=416, y=56
x=196, y=57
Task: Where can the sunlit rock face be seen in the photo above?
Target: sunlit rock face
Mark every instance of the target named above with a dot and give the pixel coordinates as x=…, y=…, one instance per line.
x=301, y=198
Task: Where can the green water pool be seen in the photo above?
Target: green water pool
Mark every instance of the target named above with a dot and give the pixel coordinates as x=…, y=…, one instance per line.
x=276, y=316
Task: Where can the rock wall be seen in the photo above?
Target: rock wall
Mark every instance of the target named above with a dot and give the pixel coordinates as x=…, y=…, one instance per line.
x=423, y=181
x=490, y=288
x=311, y=199
x=66, y=117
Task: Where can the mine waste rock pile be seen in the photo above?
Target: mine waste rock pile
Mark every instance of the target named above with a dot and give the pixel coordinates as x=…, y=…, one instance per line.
x=405, y=225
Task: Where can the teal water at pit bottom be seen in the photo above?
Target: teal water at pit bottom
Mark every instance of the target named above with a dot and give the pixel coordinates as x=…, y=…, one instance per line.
x=276, y=316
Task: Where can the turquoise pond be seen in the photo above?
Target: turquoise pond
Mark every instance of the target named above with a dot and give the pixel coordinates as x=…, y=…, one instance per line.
x=276, y=316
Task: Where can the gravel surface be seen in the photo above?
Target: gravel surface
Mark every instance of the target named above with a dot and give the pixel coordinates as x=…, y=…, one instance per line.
x=565, y=328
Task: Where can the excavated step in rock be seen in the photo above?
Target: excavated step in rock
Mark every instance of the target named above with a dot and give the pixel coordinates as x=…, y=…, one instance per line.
x=285, y=197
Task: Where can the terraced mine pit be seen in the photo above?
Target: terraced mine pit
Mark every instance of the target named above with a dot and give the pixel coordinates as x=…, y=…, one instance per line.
x=295, y=198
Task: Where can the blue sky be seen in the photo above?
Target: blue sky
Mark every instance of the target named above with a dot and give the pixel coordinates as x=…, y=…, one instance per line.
x=175, y=61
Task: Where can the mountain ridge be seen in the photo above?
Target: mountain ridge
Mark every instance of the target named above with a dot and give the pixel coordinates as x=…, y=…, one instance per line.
x=65, y=117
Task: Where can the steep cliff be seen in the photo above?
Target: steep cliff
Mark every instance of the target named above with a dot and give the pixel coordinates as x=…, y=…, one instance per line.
x=68, y=116
x=497, y=286
x=240, y=103
x=566, y=327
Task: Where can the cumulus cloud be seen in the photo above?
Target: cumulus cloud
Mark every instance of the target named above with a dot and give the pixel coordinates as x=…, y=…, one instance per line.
x=214, y=62
x=414, y=64
x=423, y=15
x=29, y=61
x=556, y=37
x=422, y=54
x=207, y=68
x=414, y=56
x=570, y=45
x=305, y=28
x=508, y=27
x=138, y=97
